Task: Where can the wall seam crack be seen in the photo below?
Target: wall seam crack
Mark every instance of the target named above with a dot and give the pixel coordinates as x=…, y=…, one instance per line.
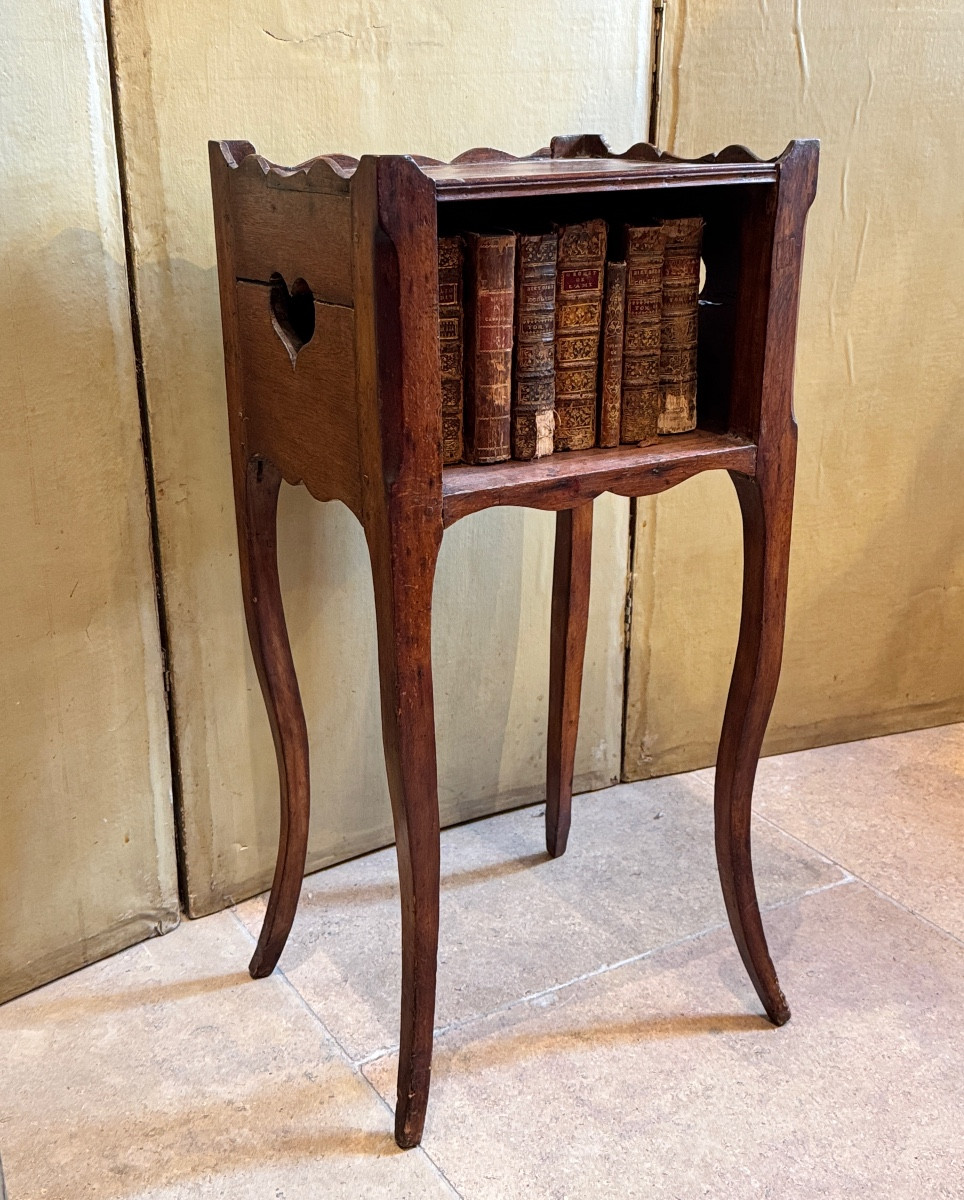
x=147, y=452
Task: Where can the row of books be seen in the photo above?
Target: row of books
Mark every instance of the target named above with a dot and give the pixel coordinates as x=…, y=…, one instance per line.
x=547, y=344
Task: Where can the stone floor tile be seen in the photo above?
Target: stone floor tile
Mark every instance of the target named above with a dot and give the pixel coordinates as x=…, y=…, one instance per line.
x=890, y=809
x=165, y=1073
x=660, y=1080
x=639, y=873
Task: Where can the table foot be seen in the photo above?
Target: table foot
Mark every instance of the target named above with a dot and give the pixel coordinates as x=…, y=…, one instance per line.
x=766, y=508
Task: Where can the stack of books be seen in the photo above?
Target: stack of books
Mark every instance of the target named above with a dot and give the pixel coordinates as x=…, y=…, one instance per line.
x=547, y=344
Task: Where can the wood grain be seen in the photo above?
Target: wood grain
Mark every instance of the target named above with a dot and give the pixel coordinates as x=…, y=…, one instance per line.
x=268, y=636
x=403, y=524
x=299, y=234
x=540, y=177
x=256, y=484
x=567, y=649
x=293, y=220
x=565, y=480
x=303, y=416
x=766, y=504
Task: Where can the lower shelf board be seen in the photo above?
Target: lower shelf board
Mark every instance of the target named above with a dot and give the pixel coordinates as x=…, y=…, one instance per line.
x=569, y=477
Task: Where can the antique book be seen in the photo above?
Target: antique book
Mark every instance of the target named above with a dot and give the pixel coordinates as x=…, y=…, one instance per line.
x=611, y=378
x=450, y=345
x=677, y=355
x=579, y=302
x=534, y=382
x=641, y=340
x=488, y=298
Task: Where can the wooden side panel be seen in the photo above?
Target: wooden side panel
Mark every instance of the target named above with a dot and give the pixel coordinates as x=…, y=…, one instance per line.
x=753, y=239
x=301, y=416
x=302, y=235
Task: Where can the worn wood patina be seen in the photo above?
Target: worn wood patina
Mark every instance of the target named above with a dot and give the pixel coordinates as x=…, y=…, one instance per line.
x=329, y=302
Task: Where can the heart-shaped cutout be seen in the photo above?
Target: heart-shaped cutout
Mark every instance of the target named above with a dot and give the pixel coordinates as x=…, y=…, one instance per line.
x=292, y=314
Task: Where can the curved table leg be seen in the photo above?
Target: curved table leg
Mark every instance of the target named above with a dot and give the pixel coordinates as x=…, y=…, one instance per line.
x=567, y=649
x=766, y=507
x=268, y=635
x=403, y=554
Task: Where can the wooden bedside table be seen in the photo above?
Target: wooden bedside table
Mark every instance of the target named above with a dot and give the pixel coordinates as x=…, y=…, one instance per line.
x=329, y=305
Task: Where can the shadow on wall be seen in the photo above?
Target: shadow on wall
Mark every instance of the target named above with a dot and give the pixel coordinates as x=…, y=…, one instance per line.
x=87, y=848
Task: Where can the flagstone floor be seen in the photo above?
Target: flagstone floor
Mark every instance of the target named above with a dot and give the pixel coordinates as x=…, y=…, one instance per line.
x=597, y=1036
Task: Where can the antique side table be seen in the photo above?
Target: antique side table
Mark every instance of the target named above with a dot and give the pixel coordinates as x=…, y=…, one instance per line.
x=329, y=307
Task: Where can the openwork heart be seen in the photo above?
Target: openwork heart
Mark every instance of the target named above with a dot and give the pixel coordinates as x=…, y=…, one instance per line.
x=292, y=314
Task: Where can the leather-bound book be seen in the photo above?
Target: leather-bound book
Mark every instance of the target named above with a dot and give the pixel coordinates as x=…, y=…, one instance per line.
x=534, y=382
x=611, y=381
x=488, y=296
x=579, y=303
x=450, y=345
x=677, y=356
x=641, y=340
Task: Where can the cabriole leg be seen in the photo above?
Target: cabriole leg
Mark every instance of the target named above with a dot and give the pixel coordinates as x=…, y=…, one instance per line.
x=268, y=635
x=766, y=507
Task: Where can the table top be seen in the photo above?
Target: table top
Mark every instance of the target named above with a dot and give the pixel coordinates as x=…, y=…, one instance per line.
x=532, y=176
x=569, y=165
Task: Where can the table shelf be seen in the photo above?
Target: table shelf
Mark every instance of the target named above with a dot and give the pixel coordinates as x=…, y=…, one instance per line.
x=568, y=477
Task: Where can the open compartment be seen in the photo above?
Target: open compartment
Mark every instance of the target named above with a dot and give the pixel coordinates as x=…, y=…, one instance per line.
x=736, y=253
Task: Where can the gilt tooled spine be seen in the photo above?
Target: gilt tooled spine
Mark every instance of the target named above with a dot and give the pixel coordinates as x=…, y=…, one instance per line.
x=677, y=356
x=579, y=303
x=534, y=381
x=641, y=340
x=488, y=296
x=450, y=318
x=611, y=384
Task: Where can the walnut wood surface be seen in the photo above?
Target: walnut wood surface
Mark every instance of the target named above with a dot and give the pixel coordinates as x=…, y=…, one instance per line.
x=570, y=164
x=302, y=416
x=567, y=479
x=567, y=650
x=766, y=504
x=295, y=221
x=540, y=177
x=342, y=391
x=256, y=484
x=268, y=636
x=323, y=261
x=397, y=264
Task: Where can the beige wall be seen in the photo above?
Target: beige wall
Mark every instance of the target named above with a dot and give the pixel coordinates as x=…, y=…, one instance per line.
x=299, y=78
x=877, y=603
x=875, y=634
x=86, y=832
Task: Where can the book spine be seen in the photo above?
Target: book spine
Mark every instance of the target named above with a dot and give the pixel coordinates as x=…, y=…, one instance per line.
x=677, y=356
x=450, y=324
x=534, y=384
x=489, y=292
x=579, y=302
x=611, y=386
x=641, y=344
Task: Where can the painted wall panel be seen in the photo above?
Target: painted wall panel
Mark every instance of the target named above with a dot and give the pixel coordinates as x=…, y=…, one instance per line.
x=875, y=634
x=86, y=827
x=298, y=79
